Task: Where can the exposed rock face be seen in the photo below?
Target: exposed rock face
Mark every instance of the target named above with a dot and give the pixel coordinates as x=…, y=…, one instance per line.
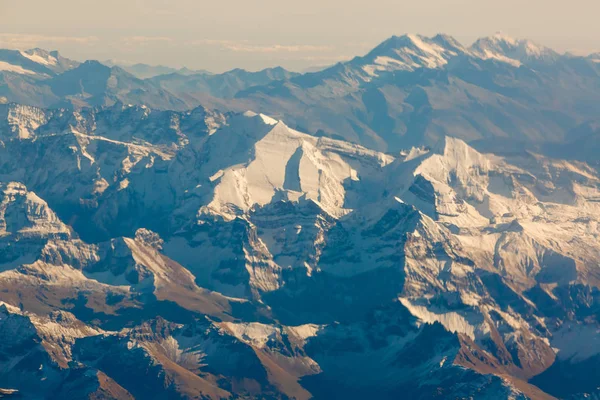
x=151, y=254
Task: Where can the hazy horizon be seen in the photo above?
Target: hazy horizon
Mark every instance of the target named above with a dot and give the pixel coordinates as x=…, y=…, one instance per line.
x=225, y=35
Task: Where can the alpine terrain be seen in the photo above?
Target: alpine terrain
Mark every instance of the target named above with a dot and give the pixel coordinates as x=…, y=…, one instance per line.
x=421, y=222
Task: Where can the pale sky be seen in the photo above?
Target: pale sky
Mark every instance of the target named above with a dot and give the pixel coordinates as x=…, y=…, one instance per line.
x=296, y=34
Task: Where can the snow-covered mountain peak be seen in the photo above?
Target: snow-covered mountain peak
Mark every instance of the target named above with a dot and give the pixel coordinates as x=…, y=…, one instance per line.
x=456, y=150
x=455, y=162
x=37, y=63
x=291, y=164
x=409, y=40
x=410, y=52
x=449, y=42
x=513, y=51
x=266, y=119
x=502, y=37
x=40, y=56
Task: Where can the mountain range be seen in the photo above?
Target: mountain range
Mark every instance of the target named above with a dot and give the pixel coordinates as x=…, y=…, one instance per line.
x=408, y=91
x=145, y=71
x=421, y=222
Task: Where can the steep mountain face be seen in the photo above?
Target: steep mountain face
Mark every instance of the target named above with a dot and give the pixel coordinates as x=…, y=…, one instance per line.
x=203, y=254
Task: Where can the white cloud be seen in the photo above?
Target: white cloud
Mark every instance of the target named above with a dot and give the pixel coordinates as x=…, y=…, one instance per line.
x=326, y=59
x=278, y=48
x=27, y=41
x=85, y=47
x=244, y=46
x=144, y=40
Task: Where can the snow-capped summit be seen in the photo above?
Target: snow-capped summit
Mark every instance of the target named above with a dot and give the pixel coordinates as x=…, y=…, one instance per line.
x=35, y=62
x=40, y=56
x=513, y=51
x=449, y=42
x=410, y=52
x=289, y=164
x=50, y=59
